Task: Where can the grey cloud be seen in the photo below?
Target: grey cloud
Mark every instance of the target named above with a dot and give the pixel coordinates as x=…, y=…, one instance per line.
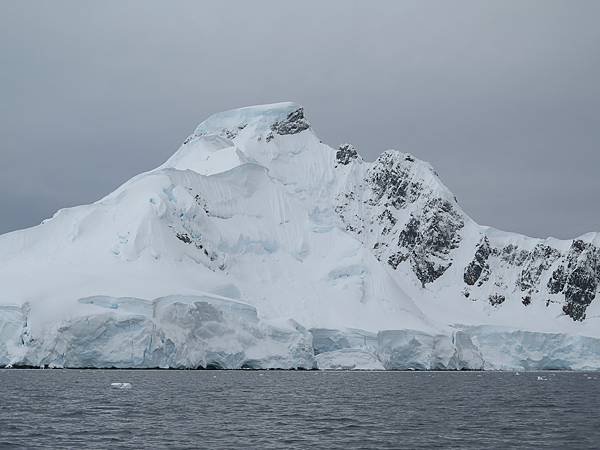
x=501, y=97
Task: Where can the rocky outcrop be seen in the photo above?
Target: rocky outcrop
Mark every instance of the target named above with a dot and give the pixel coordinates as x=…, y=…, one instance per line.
x=475, y=268
x=407, y=217
x=543, y=273
x=409, y=220
x=392, y=182
x=578, y=278
x=537, y=262
x=292, y=124
x=428, y=239
x=345, y=154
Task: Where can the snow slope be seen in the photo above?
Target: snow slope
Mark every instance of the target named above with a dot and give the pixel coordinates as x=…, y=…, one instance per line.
x=255, y=235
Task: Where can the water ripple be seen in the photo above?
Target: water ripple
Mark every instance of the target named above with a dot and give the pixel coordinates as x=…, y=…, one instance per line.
x=205, y=409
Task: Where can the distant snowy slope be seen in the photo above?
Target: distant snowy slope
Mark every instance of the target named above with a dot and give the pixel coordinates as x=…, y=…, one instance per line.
x=253, y=209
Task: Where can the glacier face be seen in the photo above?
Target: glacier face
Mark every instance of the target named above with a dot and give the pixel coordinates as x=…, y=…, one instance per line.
x=214, y=332
x=263, y=247
x=168, y=332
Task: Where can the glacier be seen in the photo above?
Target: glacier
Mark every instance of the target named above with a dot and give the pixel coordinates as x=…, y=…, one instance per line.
x=256, y=245
x=215, y=332
x=167, y=332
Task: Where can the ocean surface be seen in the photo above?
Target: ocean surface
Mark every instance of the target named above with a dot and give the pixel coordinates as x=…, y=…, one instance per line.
x=278, y=409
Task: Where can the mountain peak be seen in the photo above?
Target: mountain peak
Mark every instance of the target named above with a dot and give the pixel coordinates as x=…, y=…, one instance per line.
x=260, y=117
x=230, y=138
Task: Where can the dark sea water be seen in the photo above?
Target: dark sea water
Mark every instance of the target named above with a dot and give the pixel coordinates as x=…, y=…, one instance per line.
x=275, y=409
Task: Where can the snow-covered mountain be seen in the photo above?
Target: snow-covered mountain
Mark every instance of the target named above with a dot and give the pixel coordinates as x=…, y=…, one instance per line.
x=256, y=245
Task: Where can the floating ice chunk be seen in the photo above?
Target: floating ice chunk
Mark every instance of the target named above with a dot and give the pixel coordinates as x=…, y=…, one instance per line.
x=120, y=385
x=542, y=378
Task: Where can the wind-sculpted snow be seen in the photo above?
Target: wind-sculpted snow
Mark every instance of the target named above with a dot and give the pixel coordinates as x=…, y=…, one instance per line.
x=255, y=229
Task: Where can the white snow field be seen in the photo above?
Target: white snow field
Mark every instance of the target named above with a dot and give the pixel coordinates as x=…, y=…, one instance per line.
x=257, y=246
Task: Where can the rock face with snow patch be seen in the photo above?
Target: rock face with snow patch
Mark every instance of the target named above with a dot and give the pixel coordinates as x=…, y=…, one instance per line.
x=345, y=154
x=408, y=218
x=542, y=272
x=254, y=232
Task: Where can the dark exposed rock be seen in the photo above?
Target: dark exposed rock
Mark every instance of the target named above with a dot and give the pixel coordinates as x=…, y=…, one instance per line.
x=496, y=299
x=212, y=256
x=574, y=310
x=391, y=178
x=353, y=223
x=425, y=240
x=345, y=154
x=229, y=134
x=475, y=267
x=428, y=239
x=557, y=282
x=395, y=260
x=426, y=270
x=184, y=237
x=201, y=202
x=579, y=291
x=388, y=219
x=485, y=275
x=410, y=236
x=577, y=276
x=538, y=261
x=579, y=280
x=512, y=255
x=292, y=124
x=432, y=230
x=578, y=246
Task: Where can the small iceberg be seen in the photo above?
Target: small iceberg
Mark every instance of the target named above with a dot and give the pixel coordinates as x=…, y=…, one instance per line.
x=120, y=385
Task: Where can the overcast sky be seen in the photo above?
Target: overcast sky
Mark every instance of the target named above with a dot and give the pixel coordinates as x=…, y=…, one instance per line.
x=503, y=97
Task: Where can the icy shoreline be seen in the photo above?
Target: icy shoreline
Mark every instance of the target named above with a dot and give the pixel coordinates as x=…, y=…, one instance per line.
x=191, y=332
